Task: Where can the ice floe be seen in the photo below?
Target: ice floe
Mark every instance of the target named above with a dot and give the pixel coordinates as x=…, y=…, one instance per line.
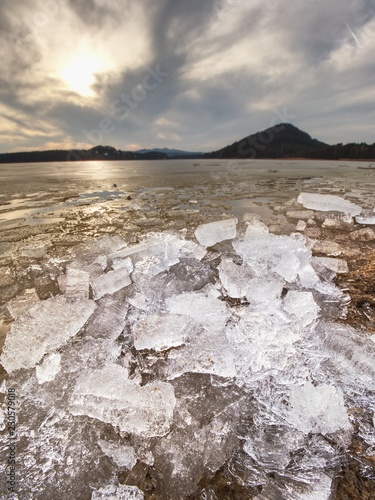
x=328, y=202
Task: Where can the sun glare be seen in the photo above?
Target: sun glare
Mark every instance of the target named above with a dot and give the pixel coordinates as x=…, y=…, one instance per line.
x=79, y=73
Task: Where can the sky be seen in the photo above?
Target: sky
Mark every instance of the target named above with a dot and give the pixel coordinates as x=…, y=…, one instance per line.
x=186, y=74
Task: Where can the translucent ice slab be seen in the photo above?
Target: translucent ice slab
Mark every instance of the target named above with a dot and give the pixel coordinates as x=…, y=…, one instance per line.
x=34, y=334
x=328, y=202
x=214, y=232
x=108, y=395
x=110, y=282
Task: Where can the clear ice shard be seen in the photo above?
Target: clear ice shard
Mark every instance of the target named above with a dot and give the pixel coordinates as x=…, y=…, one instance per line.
x=206, y=309
x=208, y=352
x=339, y=266
x=328, y=203
x=261, y=344
x=318, y=409
x=265, y=253
x=264, y=293
x=122, y=455
x=20, y=305
x=235, y=278
x=192, y=249
x=163, y=331
x=365, y=219
x=47, y=326
x=47, y=371
x=125, y=262
x=108, y=395
x=318, y=487
x=271, y=446
x=215, y=232
x=110, y=282
x=328, y=247
x=256, y=229
x=351, y=361
x=302, y=306
x=77, y=284
x=121, y=492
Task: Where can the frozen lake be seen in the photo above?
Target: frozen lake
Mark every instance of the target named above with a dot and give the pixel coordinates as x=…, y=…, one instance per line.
x=177, y=330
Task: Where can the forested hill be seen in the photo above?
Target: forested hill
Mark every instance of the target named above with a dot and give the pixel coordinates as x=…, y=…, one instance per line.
x=97, y=153
x=287, y=141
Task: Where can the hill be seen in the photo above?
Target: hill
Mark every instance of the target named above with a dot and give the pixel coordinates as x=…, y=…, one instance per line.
x=284, y=140
x=97, y=153
x=287, y=141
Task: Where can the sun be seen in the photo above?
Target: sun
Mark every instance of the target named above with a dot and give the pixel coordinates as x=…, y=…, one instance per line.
x=79, y=73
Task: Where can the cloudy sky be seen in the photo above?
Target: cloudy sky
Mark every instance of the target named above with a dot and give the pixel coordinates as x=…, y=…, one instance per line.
x=187, y=74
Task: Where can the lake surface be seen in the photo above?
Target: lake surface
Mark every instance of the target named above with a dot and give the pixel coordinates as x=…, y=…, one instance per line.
x=144, y=362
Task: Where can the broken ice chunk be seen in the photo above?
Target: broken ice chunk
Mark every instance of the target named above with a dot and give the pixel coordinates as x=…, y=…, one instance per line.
x=267, y=252
x=47, y=371
x=21, y=304
x=163, y=331
x=327, y=247
x=110, y=282
x=208, y=352
x=365, y=219
x=77, y=284
x=192, y=249
x=339, y=266
x=108, y=395
x=317, y=486
x=165, y=248
x=235, y=278
x=271, y=446
x=207, y=310
x=308, y=277
x=302, y=305
x=121, y=492
x=126, y=263
x=351, y=355
x=122, y=455
x=108, y=321
x=255, y=229
x=263, y=342
x=214, y=232
x=260, y=292
x=44, y=328
x=328, y=203
x=319, y=409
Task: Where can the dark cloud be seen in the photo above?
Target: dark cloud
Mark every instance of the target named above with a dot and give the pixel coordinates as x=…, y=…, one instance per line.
x=308, y=58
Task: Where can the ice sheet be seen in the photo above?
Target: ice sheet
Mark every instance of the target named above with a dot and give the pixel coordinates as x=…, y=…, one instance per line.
x=328, y=202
